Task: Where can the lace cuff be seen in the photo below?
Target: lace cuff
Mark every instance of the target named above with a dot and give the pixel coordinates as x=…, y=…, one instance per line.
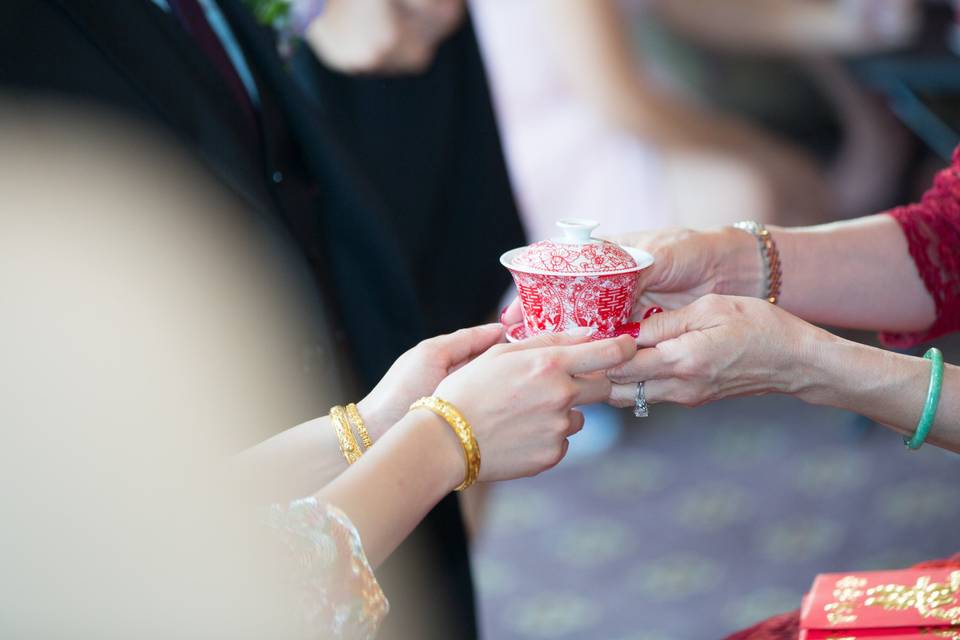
x=340, y=596
x=932, y=229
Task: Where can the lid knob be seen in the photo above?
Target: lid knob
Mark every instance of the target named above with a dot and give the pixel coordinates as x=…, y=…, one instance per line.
x=577, y=230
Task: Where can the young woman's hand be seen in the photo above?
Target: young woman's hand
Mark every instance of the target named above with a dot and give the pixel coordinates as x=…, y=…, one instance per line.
x=418, y=372
x=721, y=346
x=519, y=398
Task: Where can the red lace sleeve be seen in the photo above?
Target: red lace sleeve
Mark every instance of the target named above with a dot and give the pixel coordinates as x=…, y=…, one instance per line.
x=786, y=626
x=932, y=228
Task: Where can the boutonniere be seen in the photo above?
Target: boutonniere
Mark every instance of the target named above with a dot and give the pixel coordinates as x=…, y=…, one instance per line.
x=271, y=13
x=288, y=18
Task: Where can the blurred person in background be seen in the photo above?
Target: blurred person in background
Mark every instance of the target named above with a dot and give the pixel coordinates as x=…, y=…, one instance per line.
x=785, y=65
x=390, y=186
x=154, y=324
x=599, y=123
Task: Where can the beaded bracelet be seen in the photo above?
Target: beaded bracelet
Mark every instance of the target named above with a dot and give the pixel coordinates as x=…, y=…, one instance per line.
x=460, y=426
x=773, y=272
x=933, y=399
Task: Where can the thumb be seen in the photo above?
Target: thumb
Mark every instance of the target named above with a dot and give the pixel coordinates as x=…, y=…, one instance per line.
x=466, y=344
x=664, y=326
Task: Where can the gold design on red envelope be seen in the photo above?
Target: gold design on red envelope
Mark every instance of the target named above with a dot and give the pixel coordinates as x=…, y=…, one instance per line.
x=929, y=599
x=848, y=590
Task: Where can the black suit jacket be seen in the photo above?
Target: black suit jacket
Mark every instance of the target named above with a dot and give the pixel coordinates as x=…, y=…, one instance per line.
x=395, y=190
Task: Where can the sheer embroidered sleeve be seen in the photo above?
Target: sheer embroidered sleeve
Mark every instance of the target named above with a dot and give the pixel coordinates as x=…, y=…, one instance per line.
x=340, y=597
x=932, y=228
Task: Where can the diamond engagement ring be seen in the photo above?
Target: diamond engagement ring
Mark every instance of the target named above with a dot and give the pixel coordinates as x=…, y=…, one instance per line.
x=640, y=409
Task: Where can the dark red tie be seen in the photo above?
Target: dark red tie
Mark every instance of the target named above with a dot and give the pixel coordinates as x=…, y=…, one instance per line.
x=194, y=21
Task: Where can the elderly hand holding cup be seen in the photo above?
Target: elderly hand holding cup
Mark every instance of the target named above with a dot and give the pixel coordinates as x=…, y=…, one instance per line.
x=740, y=306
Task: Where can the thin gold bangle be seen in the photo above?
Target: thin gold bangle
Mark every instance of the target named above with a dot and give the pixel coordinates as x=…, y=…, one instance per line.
x=460, y=426
x=357, y=421
x=348, y=444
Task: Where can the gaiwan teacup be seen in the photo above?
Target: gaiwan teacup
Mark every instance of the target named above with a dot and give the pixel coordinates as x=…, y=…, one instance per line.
x=575, y=281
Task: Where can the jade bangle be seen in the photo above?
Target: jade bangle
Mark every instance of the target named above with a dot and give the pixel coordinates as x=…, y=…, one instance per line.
x=933, y=399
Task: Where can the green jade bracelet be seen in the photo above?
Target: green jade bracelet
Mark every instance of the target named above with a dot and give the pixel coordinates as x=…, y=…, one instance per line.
x=933, y=399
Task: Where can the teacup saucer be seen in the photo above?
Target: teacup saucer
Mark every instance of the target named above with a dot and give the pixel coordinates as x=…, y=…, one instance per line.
x=517, y=332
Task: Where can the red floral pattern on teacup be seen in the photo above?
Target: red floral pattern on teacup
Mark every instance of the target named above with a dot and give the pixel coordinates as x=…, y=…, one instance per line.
x=554, y=303
x=557, y=257
x=579, y=281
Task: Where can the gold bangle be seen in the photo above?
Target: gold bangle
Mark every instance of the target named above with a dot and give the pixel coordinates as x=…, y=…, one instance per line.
x=357, y=421
x=348, y=444
x=773, y=273
x=460, y=426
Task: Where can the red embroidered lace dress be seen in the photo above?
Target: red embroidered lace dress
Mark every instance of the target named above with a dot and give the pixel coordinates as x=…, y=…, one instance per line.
x=932, y=228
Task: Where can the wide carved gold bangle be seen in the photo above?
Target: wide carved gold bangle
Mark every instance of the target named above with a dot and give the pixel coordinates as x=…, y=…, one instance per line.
x=769, y=254
x=357, y=421
x=348, y=443
x=460, y=426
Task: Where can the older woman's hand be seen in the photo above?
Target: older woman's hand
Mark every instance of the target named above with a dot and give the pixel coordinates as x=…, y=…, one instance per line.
x=690, y=264
x=720, y=346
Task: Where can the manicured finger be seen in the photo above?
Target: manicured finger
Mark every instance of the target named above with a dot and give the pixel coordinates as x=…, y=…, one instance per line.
x=512, y=314
x=592, y=388
x=598, y=355
x=470, y=342
x=577, y=336
x=647, y=364
x=576, y=422
x=663, y=326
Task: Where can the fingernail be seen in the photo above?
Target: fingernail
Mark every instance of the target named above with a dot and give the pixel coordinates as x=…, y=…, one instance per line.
x=581, y=332
x=503, y=312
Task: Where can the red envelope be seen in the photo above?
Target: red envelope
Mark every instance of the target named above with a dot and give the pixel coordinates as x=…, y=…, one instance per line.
x=883, y=605
x=880, y=634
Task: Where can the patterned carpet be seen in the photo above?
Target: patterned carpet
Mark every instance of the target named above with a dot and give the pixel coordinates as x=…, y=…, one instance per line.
x=703, y=521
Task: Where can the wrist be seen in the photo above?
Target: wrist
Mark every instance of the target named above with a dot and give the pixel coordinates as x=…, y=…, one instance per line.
x=440, y=444
x=374, y=417
x=739, y=269
x=824, y=357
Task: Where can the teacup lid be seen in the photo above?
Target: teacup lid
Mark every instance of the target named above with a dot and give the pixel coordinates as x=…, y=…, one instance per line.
x=576, y=252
